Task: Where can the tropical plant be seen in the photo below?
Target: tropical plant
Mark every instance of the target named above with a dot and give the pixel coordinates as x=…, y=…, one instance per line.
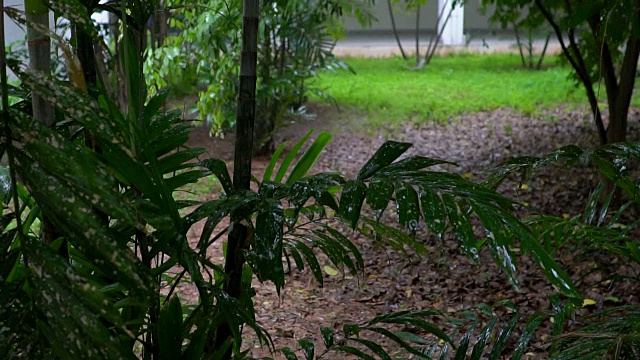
x=295, y=41
x=106, y=287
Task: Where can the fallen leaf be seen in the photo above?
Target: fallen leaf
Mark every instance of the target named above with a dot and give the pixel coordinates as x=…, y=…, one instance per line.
x=330, y=271
x=588, y=302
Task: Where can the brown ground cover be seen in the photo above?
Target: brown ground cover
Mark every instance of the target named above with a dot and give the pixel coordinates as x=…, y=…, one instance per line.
x=445, y=279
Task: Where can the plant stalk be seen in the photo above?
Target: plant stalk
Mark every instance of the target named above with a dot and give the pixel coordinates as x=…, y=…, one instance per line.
x=245, y=121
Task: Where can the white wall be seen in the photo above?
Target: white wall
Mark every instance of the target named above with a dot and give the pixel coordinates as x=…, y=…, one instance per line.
x=474, y=21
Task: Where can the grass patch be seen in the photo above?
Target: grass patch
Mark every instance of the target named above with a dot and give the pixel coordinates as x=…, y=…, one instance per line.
x=388, y=90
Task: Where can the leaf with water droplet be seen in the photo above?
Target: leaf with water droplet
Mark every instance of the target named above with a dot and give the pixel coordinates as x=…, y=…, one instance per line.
x=407, y=205
x=268, y=244
x=351, y=200
x=385, y=155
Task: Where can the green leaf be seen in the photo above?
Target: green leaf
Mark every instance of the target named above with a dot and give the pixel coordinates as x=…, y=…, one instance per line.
x=327, y=336
x=414, y=318
x=170, y=329
x=307, y=348
x=347, y=243
x=461, y=351
x=399, y=340
x=219, y=169
x=434, y=212
x=274, y=159
x=444, y=352
x=312, y=261
x=350, y=330
x=410, y=164
x=504, y=336
x=154, y=105
x=499, y=239
x=377, y=349
x=407, y=205
x=461, y=224
x=268, y=244
x=529, y=329
x=334, y=250
x=379, y=194
x=289, y=158
x=179, y=160
x=385, y=155
x=482, y=339
x=289, y=354
x=354, y=351
x=353, y=195
x=309, y=157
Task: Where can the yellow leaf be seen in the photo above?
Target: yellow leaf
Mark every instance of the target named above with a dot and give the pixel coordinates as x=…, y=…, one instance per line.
x=525, y=204
x=566, y=216
x=330, y=271
x=467, y=175
x=523, y=187
x=553, y=321
x=588, y=302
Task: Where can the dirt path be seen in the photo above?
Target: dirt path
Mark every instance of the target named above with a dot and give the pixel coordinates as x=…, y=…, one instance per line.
x=443, y=280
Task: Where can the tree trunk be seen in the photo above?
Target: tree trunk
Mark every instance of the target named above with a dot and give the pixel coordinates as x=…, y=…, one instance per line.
x=395, y=29
x=39, y=46
x=418, y=36
x=576, y=59
x=245, y=120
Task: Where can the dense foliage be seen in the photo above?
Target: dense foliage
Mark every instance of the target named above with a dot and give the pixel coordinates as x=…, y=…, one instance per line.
x=202, y=50
x=105, y=181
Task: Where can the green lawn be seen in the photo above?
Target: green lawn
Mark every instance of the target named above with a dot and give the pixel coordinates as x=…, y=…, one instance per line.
x=388, y=89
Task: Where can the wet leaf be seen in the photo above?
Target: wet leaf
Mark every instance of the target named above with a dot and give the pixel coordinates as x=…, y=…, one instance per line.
x=407, y=205
x=308, y=348
x=219, y=169
x=385, y=155
x=378, y=195
x=353, y=195
x=268, y=244
x=434, y=212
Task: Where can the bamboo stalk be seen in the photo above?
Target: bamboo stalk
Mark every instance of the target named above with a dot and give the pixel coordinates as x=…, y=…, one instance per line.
x=245, y=120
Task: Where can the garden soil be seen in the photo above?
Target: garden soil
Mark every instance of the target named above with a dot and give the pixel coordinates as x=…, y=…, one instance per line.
x=445, y=279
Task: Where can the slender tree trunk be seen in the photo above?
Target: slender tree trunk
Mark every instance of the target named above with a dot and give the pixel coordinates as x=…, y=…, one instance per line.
x=543, y=53
x=576, y=59
x=39, y=46
x=245, y=120
x=418, y=36
x=395, y=30
x=431, y=50
x=519, y=43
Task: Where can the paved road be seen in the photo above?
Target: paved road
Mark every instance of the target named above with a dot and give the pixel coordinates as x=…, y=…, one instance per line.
x=384, y=45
